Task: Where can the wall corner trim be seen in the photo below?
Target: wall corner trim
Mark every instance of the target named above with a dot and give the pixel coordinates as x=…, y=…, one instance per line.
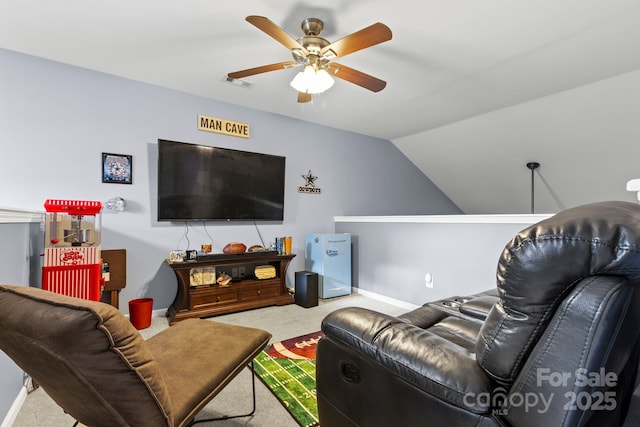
x=12, y=215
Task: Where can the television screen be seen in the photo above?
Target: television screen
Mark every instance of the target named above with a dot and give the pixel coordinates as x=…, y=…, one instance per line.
x=202, y=183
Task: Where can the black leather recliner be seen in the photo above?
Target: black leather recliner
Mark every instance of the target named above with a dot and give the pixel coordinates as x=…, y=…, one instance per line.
x=557, y=345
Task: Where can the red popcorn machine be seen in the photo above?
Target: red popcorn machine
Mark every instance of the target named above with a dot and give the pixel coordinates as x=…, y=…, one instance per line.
x=72, y=260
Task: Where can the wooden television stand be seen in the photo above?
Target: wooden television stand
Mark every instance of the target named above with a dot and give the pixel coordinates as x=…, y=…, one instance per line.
x=243, y=293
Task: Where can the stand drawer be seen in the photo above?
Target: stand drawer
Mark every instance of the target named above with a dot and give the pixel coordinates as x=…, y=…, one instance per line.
x=209, y=300
x=266, y=291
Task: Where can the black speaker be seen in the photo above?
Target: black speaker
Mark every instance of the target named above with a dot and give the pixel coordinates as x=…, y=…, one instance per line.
x=306, y=289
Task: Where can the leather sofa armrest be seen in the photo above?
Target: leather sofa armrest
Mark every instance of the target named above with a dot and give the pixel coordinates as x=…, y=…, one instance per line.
x=429, y=362
x=479, y=307
x=424, y=316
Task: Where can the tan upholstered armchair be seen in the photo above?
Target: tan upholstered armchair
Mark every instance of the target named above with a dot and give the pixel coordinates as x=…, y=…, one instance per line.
x=90, y=359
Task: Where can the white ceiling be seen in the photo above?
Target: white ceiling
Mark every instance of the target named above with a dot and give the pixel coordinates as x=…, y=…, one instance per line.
x=448, y=61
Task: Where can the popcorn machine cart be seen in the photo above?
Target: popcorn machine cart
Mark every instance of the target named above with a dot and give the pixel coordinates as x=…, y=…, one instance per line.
x=72, y=260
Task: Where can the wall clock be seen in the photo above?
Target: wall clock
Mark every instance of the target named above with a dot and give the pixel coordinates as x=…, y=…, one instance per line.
x=117, y=168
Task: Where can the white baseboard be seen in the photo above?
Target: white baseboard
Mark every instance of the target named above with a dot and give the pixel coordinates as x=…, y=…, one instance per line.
x=392, y=301
x=402, y=304
x=159, y=313
x=11, y=416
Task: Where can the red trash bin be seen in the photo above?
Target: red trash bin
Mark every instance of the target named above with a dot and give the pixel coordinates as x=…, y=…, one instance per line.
x=140, y=312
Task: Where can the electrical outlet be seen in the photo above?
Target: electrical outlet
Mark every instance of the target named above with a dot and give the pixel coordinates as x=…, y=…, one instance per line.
x=428, y=280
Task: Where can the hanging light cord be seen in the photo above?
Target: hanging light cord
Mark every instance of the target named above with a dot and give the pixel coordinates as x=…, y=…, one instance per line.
x=532, y=166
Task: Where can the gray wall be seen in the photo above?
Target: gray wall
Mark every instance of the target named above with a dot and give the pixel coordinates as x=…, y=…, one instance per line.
x=392, y=259
x=15, y=255
x=56, y=120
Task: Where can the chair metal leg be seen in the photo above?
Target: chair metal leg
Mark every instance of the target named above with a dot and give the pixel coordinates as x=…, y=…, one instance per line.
x=228, y=417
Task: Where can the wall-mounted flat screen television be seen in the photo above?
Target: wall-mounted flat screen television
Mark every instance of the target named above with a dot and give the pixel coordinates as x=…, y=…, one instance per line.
x=202, y=183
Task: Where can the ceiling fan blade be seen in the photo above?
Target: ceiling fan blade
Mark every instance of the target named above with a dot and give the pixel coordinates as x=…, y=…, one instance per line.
x=270, y=28
x=304, y=97
x=357, y=77
x=367, y=37
x=263, y=69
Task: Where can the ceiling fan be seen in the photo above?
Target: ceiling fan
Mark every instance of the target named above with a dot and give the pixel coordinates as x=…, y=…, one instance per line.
x=316, y=55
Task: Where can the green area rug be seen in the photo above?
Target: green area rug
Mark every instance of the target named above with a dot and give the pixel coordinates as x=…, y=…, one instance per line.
x=288, y=369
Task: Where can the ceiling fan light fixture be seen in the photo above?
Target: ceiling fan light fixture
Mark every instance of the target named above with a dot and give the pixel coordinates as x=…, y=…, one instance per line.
x=312, y=81
x=316, y=54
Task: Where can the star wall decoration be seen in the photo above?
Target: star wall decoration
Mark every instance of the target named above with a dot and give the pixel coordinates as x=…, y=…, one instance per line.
x=309, y=185
x=310, y=180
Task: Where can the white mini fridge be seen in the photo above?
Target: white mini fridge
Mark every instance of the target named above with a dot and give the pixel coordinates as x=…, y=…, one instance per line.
x=329, y=255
